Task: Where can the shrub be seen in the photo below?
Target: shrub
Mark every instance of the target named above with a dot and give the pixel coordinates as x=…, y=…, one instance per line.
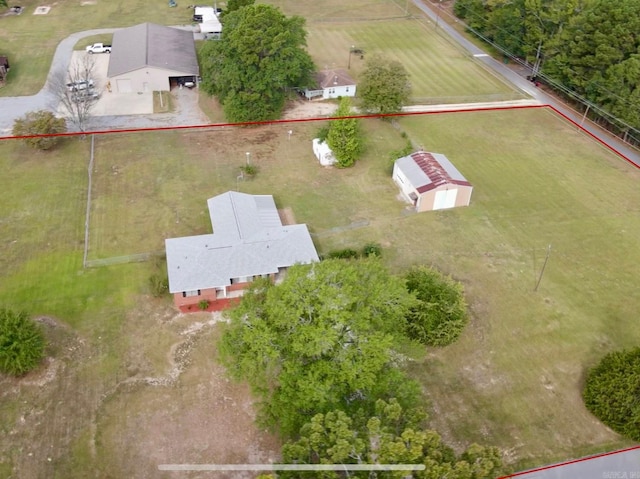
x=249, y=170
x=159, y=284
x=40, y=123
x=612, y=392
x=346, y=253
x=322, y=133
x=21, y=343
x=372, y=249
x=441, y=313
x=203, y=305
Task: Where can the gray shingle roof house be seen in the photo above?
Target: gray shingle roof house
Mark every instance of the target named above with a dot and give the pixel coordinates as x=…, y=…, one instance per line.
x=144, y=58
x=431, y=182
x=248, y=241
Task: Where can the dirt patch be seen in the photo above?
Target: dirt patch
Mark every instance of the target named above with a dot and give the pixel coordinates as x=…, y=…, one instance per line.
x=197, y=416
x=286, y=216
x=309, y=109
x=166, y=401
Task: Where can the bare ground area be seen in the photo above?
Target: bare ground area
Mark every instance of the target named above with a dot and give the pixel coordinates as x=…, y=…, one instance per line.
x=309, y=109
x=286, y=216
x=171, y=403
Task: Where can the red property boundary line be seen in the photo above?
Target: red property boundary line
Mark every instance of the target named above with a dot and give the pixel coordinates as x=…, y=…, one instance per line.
x=305, y=120
x=575, y=461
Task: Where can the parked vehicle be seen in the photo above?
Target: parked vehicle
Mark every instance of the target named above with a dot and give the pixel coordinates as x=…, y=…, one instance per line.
x=84, y=95
x=80, y=85
x=98, y=48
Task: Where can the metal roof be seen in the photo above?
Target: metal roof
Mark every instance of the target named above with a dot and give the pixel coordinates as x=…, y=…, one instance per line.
x=248, y=239
x=151, y=45
x=427, y=171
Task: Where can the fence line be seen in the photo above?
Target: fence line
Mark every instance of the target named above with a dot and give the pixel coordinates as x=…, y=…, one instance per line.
x=88, y=213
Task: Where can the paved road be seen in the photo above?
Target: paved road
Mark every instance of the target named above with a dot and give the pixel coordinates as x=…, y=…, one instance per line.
x=523, y=84
x=623, y=464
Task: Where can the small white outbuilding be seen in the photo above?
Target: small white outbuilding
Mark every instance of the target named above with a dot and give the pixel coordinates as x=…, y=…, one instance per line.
x=323, y=152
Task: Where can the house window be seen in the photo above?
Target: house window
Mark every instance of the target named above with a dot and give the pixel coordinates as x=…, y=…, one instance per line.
x=346, y=89
x=187, y=294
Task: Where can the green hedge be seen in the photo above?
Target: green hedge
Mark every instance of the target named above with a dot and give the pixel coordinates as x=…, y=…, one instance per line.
x=612, y=392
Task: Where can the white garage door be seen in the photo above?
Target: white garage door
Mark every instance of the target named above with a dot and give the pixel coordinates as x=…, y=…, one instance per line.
x=445, y=199
x=124, y=85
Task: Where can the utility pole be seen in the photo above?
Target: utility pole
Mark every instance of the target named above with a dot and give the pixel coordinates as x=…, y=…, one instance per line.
x=543, y=267
x=536, y=65
x=585, y=114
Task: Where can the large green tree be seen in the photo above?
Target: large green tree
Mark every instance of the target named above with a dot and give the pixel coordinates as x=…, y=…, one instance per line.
x=233, y=5
x=344, y=136
x=260, y=56
x=37, y=123
x=3, y=3
x=390, y=435
x=612, y=392
x=320, y=340
x=385, y=86
x=586, y=47
x=21, y=343
x=440, y=314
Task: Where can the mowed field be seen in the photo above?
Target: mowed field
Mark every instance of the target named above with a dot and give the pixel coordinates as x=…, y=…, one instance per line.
x=513, y=380
x=439, y=71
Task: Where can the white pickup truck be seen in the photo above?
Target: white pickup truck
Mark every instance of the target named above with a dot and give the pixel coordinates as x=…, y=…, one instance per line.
x=98, y=48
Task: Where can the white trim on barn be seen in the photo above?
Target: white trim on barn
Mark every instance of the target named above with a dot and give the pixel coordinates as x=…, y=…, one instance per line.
x=429, y=181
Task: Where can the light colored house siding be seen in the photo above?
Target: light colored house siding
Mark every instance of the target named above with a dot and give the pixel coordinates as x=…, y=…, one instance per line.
x=403, y=183
x=427, y=200
x=338, y=91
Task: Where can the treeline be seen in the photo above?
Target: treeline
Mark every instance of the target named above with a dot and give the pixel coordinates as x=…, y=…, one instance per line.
x=589, y=47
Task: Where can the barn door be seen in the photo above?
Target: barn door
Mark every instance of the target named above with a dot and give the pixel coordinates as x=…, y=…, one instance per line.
x=445, y=199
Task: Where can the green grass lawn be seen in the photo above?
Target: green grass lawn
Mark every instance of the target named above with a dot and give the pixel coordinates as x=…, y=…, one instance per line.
x=439, y=71
x=514, y=378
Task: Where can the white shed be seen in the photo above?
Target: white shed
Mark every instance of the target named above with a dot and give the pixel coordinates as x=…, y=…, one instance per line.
x=323, y=152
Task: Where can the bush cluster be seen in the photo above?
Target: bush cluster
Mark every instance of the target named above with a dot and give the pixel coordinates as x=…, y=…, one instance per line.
x=21, y=343
x=612, y=392
x=441, y=313
x=368, y=250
